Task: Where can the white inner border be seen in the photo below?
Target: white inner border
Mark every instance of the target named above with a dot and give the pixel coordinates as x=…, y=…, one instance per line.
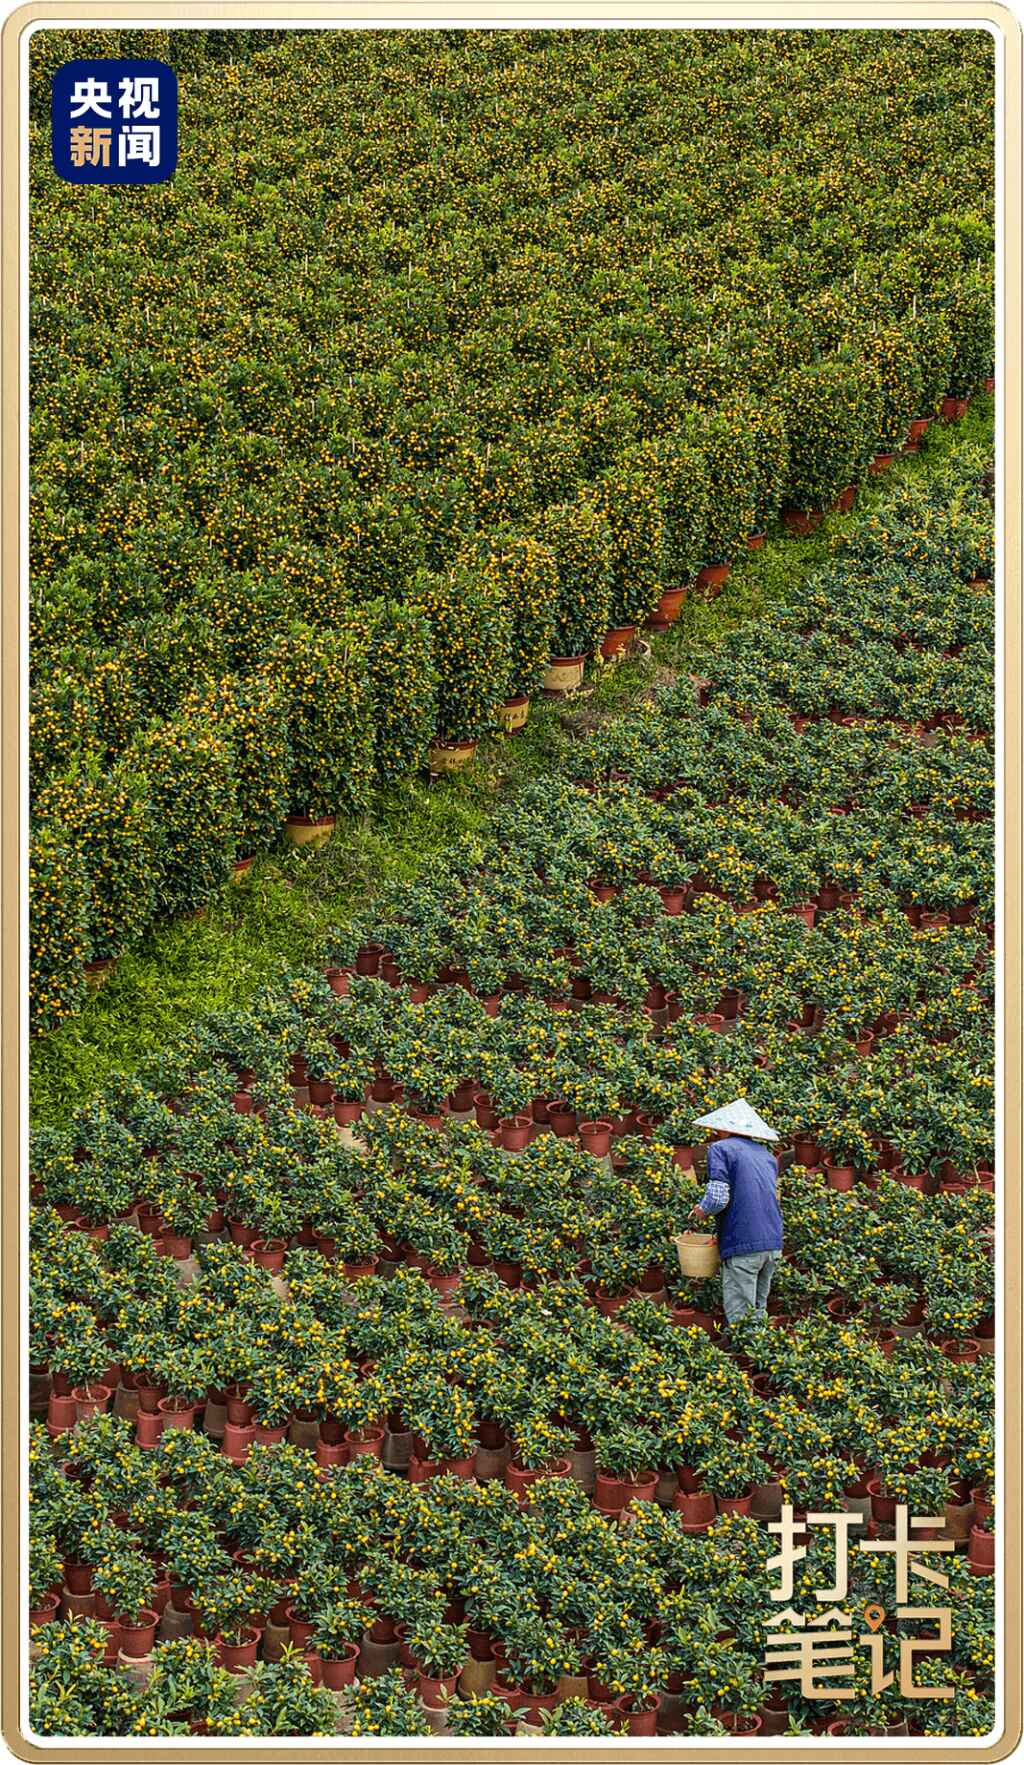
x=441, y=1743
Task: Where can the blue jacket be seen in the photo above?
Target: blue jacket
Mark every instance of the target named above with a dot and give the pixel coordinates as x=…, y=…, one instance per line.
x=742, y=1179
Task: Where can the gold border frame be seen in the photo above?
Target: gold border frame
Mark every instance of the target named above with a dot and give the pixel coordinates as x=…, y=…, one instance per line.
x=514, y=13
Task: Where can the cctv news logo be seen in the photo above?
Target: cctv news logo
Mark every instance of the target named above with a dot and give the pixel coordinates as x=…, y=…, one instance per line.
x=115, y=122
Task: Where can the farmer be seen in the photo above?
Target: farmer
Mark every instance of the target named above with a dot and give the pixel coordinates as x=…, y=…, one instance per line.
x=741, y=1193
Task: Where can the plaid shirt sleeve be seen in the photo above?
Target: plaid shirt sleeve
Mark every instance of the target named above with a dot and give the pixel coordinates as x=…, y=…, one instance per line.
x=715, y=1197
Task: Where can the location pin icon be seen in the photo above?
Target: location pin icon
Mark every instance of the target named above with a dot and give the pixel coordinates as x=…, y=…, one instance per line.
x=874, y=1616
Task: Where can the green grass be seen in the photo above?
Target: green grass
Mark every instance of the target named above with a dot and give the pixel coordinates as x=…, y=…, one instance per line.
x=279, y=914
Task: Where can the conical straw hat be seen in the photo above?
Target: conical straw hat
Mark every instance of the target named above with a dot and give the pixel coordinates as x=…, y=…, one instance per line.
x=738, y=1118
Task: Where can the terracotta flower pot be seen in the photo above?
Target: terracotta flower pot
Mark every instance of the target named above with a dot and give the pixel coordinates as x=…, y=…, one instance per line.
x=562, y=1119
x=90, y=1400
x=177, y=1245
x=738, y=1724
x=237, y=1441
x=596, y=1138
x=617, y=640
x=61, y=1413
x=613, y=1494
x=965, y=1350
x=238, y=1657
x=953, y=409
x=713, y=577
x=697, y=1508
x=840, y=1176
x=341, y=1670
x=435, y=1692
x=364, y=1442
x=669, y=607
x=77, y=1577
x=515, y=1132
x=46, y=1613
x=519, y=1478
x=883, y=1507
x=148, y=1429
x=735, y=1504
x=175, y=1413
x=138, y=1639
x=801, y=522
x=981, y=1550
x=300, y=1629
x=639, y=1721
x=529, y=1704
x=423, y=1470
x=268, y=1253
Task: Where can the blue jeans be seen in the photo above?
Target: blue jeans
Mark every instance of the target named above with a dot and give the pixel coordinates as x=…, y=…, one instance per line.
x=746, y=1283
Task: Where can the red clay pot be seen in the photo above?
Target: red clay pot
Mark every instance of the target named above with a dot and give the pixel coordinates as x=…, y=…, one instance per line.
x=697, y=1508
x=148, y=1429
x=840, y=1176
x=966, y=1350
x=46, y=1613
x=515, y=1132
x=268, y=1253
x=364, y=1442
x=300, y=1629
x=562, y=1120
x=519, y=1479
x=61, y=1413
x=78, y=1577
x=981, y=1551
x=734, y=1504
x=801, y=522
x=883, y=1507
x=436, y=1692
x=596, y=1138
x=669, y=607
x=617, y=639
x=90, y=1400
x=612, y=1494
x=237, y=1657
x=137, y=1640
x=713, y=577
x=237, y=1441
x=341, y=1671
x=176, y=1414
x=177, y=1245
x=528, y=1705
x=346, y=1111
x=639, y=1721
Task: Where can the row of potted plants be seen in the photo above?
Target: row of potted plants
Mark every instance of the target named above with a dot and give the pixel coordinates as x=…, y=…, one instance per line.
x=328, y=1559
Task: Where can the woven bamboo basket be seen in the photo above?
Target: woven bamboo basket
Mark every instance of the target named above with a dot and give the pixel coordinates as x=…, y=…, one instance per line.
x=698, y=1254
